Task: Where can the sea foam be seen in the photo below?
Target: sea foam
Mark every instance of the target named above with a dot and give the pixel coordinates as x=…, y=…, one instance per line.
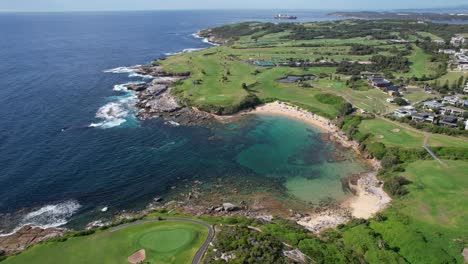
x=112, y=114
x=53, y=215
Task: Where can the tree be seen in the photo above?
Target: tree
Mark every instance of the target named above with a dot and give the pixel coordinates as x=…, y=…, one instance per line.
x=400, y=101
x=244, y=86
x=346, y=109
x=461, y=81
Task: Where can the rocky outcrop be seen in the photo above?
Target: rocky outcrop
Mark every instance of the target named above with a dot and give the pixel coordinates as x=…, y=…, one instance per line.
x=27, y=236
x=297, y=256
x=155, y=99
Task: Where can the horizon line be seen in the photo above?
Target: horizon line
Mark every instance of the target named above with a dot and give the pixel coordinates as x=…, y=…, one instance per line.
x=223, y=9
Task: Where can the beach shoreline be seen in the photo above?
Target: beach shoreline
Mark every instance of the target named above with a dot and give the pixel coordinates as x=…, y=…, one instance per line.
x=369, y=197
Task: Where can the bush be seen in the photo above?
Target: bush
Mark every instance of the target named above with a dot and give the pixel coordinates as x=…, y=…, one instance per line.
x=390, y=161
x=400, y=101
x=377, y=150
x=84, y=233
x=396, y=186
x=329, y=99
x=346, y=109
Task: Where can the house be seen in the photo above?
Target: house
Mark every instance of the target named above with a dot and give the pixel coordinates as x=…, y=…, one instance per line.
x=447, y=51
x=439, y=41
x=466, y=125
x=391, y=89
x=457, y=41
x=433, y=105
x=453, y=111
x=449, y=121
x=465, y=90
x=423, y=117
x=379, y=82
x=451, y=100
x=390, y=100
x=404, y=112
x=462, y=67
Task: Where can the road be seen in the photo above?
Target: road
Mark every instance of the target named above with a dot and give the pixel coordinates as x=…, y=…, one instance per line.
x=201, y=251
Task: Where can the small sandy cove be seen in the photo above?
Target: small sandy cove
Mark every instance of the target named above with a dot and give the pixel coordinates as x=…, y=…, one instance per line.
x=369, y=197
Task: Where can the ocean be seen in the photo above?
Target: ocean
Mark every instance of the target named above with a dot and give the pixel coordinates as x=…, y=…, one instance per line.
x=70, y=144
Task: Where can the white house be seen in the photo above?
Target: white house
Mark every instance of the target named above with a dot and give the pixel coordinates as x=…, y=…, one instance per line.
x=447, y=51
x=451, y=100
x=457, y=41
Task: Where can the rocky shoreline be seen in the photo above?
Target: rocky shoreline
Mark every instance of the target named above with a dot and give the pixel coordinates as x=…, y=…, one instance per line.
x=25, y=237
x=155, y=99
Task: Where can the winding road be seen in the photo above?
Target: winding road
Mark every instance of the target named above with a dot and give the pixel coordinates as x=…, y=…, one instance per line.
x=201, y=251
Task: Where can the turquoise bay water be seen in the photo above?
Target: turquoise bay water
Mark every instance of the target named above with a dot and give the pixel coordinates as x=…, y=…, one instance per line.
x=295, y=152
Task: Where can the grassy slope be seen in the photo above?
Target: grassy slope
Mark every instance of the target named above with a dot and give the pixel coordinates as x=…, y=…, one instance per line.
x=429, y=225
x=384, y=132
x=164, y=242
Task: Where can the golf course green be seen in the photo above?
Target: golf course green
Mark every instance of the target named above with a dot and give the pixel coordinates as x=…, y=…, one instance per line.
x=164, y=242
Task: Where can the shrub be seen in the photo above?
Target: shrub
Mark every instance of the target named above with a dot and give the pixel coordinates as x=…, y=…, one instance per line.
x=376, y=149
x=329, y=99
x=84, y=233
x=396, y=186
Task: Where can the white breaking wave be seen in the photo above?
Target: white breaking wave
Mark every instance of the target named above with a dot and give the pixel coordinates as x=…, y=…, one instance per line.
x=131, y=70
x=54, y=215
x=123, y=69
x=113, y=114
x=184, y=51
x=122, y=87
x=172, y=123
x=204, y=40
x=134, y=74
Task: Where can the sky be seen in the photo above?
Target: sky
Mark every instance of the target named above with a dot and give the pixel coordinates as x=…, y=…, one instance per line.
x=108, y=5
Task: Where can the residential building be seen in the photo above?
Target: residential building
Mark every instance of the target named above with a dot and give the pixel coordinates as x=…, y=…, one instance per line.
x=423, y=117
x=457, y=41
x=447, y=51
x=404, y=112
x=449, y=121
x=452, y=111
x=462, y=67
x=379, y=82
x=465, y=90
x=451, y=100
x=433, y=105
x=391, y=88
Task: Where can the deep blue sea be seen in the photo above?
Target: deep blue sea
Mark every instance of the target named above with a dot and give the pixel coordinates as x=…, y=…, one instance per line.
x=55, y=168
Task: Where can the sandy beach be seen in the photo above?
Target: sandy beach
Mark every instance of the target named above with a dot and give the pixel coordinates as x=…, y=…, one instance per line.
x=369, y=197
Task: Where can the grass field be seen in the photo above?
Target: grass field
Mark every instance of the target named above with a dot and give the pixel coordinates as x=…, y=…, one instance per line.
x=429, y=225
x=164, y=242
x=401, y=135
x=452, y=77
x=429, y=35
x=438, y=194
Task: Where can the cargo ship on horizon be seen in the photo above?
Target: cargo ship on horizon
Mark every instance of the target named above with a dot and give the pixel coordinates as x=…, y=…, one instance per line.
x=283, y=16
